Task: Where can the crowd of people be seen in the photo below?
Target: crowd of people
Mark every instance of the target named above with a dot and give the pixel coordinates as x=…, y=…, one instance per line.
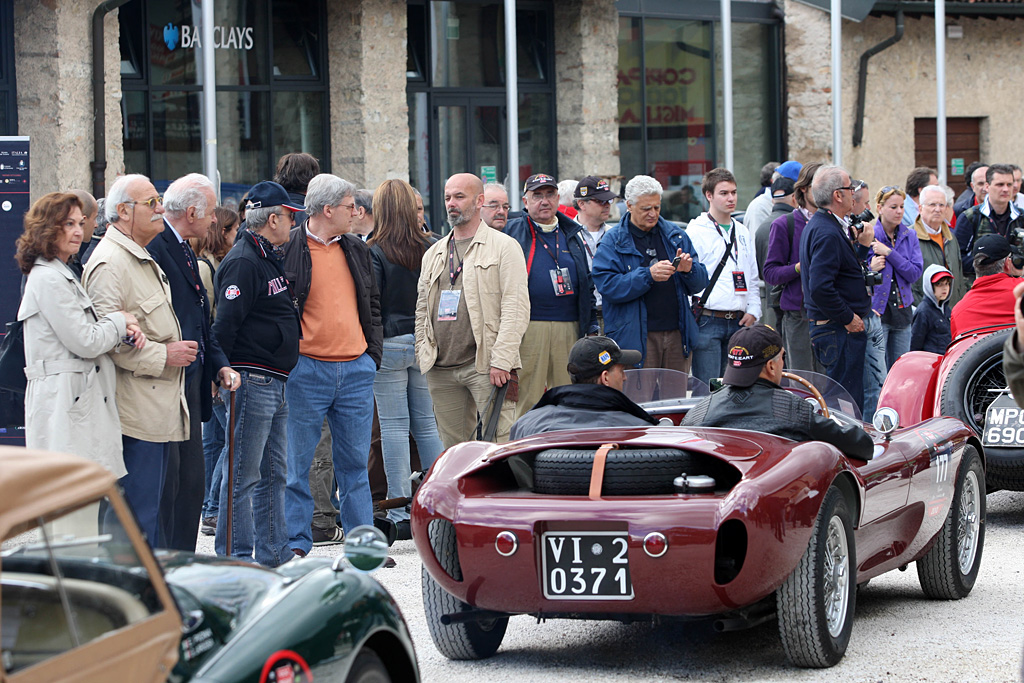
x=328, y=323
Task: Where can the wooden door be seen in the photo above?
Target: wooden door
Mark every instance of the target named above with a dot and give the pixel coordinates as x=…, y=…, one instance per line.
x=962, y=142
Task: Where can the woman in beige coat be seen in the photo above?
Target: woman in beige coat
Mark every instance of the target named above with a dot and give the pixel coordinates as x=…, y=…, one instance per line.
x=69, y=401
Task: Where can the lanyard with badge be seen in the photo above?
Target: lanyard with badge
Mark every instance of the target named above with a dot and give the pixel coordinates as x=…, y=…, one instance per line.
x=561, y=281
x=739, y=279
x=448, y=306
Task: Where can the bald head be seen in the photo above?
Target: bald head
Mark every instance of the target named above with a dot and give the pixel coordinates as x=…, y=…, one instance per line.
x=463, y=197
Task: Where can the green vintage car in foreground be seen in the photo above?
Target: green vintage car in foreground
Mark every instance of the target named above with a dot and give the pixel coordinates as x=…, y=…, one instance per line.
x=82, y=600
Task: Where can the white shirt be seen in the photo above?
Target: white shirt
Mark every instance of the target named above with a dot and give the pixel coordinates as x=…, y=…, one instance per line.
x=590, y=241
x=711, y=241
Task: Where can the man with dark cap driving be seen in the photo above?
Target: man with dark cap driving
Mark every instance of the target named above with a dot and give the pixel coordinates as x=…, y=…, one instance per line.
x=752, y=398
x=594, y=399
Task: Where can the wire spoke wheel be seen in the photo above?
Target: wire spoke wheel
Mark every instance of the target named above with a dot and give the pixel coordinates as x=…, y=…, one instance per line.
x=968, y=524
x=984, y=385
x=836, y=577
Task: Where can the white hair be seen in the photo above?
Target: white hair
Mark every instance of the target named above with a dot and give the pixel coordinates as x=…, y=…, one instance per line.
x=935, y=188
x=257, y=217
x=326, y=189
x=187, y=191
x=119, y=195
x=950, y=195
x=641, y=186
x=566, y=188
x=499, y=186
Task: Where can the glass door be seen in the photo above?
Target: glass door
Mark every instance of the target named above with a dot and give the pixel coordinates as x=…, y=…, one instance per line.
x=470, y=135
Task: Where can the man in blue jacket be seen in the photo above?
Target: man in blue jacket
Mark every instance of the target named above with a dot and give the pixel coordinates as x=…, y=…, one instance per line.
x=646, y=299
x=835, y=294
x=561, y=290
x=188, y=213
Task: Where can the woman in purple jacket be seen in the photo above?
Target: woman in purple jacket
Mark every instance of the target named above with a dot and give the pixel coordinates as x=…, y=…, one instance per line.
x=898, y=247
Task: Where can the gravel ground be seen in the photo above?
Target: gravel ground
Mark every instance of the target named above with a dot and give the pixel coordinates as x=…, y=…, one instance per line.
x=898, y=634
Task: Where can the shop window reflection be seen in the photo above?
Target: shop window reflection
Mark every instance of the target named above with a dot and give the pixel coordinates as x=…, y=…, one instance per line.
x=298, y=123
x=296, y=39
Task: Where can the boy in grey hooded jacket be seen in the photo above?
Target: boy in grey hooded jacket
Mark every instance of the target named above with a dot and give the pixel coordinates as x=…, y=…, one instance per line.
x=930, y=329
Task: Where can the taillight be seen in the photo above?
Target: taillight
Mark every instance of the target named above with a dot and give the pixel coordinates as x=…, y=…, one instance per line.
x=655, y=544
x=506, y=543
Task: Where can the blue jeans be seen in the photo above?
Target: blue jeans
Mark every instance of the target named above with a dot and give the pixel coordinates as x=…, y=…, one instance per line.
x=874, y=364
x=403, y=401
x=897, y=342
x=841, y=355
x=257, y=512
x=709, y=355
x=146, y=463
x=213, y=450
x=343, y=391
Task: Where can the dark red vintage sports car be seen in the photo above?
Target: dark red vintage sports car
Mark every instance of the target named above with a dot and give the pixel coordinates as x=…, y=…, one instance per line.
x=967, y=383
x=649, y=523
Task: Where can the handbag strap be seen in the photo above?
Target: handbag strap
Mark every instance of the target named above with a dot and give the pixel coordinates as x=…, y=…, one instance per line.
x=718, y=271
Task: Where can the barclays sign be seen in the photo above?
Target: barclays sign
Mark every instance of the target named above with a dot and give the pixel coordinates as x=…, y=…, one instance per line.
x=224, y=37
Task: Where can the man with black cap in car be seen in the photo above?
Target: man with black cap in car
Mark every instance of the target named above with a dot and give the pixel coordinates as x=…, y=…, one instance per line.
x=753, y=399
x=990, y=301
x=594, y=399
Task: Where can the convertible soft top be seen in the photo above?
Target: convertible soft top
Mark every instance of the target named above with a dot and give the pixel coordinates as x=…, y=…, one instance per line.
x=34, y=483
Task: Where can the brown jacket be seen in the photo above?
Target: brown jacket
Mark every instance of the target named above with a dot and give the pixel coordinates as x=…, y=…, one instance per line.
x=121, y=275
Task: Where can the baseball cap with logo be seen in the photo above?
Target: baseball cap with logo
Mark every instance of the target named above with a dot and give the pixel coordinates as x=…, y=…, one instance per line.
x=538, y=180
x=593, y=187
x=994, y=248
x=749, y=349
x=591, y=356
x=265, y=194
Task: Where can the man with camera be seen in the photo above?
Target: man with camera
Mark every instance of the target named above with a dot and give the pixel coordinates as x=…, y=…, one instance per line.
x=990, y=301
x=997, y=214
x=833, y=283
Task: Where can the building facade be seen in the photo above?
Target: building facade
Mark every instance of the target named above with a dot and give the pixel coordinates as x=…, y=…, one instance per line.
x=415, y=89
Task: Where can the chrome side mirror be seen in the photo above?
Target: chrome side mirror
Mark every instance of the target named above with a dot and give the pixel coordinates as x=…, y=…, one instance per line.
x=366, y=549
x=886, y=420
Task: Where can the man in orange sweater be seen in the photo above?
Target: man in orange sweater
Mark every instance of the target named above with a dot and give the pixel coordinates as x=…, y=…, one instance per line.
x=331, y=276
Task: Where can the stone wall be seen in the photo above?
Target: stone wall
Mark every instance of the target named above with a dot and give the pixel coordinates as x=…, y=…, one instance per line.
x=586, y=64
x=900, y=87
x=53, y=62
x=369, y=113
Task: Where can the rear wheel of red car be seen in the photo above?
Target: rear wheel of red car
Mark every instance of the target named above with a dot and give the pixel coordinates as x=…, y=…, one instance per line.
x=950, y=568
x=566, y=471
x=368, y=668
x=460, y=640
x=974, y=381
x=816, y=602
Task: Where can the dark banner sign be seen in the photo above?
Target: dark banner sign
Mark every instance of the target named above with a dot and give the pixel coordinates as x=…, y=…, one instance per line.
x=14, y=202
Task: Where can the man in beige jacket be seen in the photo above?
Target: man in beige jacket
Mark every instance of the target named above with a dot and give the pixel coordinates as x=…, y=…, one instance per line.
x=472, y=309
x=122, y=276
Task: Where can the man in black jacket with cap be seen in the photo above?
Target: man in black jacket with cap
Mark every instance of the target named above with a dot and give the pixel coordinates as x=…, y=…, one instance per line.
x=753, y=399
x=594, y=399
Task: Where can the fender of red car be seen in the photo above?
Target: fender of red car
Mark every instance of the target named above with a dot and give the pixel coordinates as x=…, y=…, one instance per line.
x=910, y=386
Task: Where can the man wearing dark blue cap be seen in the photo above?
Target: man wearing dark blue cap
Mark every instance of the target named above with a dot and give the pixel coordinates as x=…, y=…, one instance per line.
x=258, y=328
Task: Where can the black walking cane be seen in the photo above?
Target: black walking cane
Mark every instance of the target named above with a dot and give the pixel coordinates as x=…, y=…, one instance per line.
x=231, y=469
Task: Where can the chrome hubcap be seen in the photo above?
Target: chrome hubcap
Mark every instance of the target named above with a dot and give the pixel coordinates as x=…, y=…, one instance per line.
x=968, y=523
x=837, y=576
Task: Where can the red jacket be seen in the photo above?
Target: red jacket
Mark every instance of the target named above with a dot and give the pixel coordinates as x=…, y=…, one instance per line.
x=989, y=302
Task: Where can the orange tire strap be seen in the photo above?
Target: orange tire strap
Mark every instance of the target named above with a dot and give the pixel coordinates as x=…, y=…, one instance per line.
x=597, y=473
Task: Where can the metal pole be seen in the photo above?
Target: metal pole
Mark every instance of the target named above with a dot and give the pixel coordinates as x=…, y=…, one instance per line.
x=512, y=104
x=727, y=80
x=940, y=90
x=837, y=83
x=209, y=99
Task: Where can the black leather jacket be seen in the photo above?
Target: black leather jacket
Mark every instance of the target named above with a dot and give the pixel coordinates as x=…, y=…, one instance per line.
x=298, y=268
x=766, y=407
x=397, y=287
x=578, y=406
